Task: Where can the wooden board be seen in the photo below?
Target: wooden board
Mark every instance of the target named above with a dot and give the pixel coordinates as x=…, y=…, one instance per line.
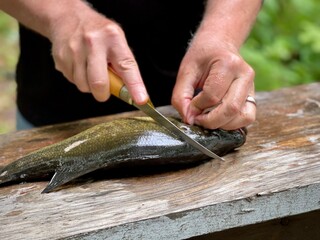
x=275, y=174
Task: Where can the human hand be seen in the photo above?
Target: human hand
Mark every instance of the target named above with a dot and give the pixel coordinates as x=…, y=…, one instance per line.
x=225, y=79
x=84, y=44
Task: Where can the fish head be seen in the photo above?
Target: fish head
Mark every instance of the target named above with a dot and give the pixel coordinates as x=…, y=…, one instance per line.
x=213, y=139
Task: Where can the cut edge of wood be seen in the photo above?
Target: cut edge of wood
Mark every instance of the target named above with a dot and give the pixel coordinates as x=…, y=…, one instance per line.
x=215, y=218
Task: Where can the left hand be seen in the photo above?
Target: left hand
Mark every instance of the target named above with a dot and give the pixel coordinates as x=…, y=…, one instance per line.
x=225, y=79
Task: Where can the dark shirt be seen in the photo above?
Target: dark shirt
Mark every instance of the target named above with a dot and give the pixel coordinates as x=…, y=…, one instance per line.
x=158, y=32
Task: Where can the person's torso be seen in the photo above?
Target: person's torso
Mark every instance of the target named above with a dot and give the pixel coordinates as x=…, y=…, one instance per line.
x=157, y=32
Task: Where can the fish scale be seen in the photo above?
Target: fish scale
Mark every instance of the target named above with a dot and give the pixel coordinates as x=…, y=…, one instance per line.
x=124, y=142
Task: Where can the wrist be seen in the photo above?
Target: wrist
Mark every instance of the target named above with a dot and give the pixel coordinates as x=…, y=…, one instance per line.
x=65, y=17
x=46, y=15
x=229, y=22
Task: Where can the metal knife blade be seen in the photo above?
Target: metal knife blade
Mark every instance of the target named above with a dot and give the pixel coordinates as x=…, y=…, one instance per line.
x=118, y=89
x=158, y=117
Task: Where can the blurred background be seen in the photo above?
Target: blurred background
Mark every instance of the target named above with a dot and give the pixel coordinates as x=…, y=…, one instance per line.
x=283, y=48
x=8, y=58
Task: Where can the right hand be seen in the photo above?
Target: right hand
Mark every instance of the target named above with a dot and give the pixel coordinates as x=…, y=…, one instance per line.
x=84, y=44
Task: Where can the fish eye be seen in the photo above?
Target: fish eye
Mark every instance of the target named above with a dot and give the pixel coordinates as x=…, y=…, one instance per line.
x=184, y=128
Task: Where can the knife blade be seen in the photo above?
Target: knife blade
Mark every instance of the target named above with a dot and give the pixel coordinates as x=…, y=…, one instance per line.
x=118, y=89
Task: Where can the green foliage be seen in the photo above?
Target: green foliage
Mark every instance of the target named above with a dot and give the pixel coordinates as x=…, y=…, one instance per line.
x=8, y=44
x=284, y=45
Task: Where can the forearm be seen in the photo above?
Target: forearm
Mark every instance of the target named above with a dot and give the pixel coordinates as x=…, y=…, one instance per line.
x=229, y=21
x=213, y=63
x=45, y=15
x=84, y=44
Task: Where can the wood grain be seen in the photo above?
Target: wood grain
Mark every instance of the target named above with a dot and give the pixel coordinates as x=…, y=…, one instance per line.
x=275, y=174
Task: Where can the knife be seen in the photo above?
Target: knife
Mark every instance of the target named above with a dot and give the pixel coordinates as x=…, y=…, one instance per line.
x=119, y=90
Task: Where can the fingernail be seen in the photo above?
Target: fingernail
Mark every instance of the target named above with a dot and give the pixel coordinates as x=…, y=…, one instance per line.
x=190, y=120
x=141, y=98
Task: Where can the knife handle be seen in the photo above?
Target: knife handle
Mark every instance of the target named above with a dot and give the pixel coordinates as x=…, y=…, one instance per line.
x=117, y=87
x=119, y=90
x=116, y=83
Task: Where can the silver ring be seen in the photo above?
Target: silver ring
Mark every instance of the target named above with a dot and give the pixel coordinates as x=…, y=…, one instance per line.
x=251, y=99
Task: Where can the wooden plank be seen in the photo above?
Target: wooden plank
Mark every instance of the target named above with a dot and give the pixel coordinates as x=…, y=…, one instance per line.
x=275, y=174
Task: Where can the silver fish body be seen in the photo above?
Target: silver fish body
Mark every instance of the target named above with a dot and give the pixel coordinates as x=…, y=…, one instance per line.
x=123, y=142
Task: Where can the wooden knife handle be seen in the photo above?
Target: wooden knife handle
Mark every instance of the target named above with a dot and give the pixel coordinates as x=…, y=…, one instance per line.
x=119, y=90
x=117, y=87
x=116, y=83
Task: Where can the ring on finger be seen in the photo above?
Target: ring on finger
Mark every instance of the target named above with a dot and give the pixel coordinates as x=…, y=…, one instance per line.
x=251, y=99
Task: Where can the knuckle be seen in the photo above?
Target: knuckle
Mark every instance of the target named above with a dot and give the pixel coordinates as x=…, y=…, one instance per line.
x=97, y=85
x=57, y=65
x=57, y=55
x=232, y=109
x=83, y=88
x=61, y=67
x=134, y=84
x=127, y=64
x=233, y=60
x=112, y=30
x=250, y=72
x=175, y=101
x=90, y=37
x=73, y=47
x=236, y=62
x=210, y=98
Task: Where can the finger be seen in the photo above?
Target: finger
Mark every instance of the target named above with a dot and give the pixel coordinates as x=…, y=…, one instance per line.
x=80, y=77
x=125, y=65
x=231, y=105
x=127, y=69
x=215, y=87
x=183, y=90
x=63, y=62
x=97, y=77
x=79, y=71
x=247, y=116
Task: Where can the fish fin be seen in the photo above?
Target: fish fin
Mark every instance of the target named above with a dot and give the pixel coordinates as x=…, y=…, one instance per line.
x=65, y=174
x=4, y=176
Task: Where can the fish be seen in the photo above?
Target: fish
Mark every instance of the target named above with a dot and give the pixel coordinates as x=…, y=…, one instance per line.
x=136, y=141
